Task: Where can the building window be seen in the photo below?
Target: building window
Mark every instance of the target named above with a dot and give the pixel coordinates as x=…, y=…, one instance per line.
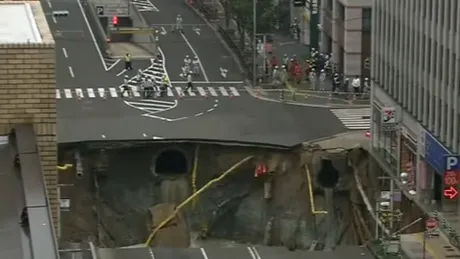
x=367, y=19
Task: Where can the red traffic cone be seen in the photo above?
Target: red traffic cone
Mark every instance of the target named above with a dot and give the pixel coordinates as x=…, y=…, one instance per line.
x=330, y=98
x=231, y=96
x=79, y=96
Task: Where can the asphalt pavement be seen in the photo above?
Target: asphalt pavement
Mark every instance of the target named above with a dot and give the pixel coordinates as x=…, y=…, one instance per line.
x=78, y=61
x=198, y=40
x=243, y=119
x=240, y=252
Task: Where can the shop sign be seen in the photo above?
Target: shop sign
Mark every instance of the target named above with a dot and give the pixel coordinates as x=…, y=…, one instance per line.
x=435, y=153
x=389, y=120
x=451, y=172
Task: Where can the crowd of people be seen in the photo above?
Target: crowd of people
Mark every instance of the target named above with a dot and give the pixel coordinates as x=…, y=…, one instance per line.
x=318, y=67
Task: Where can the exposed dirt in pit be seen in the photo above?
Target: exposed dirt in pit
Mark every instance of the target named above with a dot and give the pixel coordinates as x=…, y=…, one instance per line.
x=233, y=209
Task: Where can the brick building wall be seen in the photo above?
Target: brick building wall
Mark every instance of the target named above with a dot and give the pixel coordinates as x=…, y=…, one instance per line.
x=27, y=95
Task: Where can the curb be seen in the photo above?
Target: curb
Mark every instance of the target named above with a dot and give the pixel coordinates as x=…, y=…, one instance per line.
x=253, y=93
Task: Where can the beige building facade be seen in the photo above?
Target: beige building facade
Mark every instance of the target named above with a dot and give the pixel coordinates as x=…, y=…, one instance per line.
x=28, y=83
x=345, y=31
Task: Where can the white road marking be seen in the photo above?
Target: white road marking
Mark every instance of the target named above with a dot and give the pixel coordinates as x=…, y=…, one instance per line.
x=122, y=72
x=91, y=93
x=67, y=93
x=196, y=55
x=234, y=91
x=170, y=92
x=256, y=253
x=58, y=94
x=101, y=92
x=223, y=91
x=114, y=64
x=191, y=92
x=79, y=92
x=49, y=4
x=178, y=90
x=71, y=72
x=113, y=92
x=64, y=51
x=203, y=252
x=150, y=249
x=201, y=91
x=163, y=31
x=92, y=35
x=212, y=91
x=54, y=19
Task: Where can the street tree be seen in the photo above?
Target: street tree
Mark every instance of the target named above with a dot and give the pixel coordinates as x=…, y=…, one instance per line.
x=241, y=11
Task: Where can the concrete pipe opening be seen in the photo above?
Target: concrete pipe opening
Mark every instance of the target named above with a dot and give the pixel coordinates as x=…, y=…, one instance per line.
x=328, y=175
x=171, y=162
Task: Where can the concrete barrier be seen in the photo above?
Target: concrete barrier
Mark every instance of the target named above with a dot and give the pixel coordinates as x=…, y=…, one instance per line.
x=146, y=41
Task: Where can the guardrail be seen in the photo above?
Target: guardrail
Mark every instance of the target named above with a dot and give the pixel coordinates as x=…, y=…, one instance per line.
x=100, y=34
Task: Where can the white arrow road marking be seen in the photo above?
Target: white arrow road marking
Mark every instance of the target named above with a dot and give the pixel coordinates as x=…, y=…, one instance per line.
x=163, y=31
x=214, y=106
x=223, y=72
x=197, y=30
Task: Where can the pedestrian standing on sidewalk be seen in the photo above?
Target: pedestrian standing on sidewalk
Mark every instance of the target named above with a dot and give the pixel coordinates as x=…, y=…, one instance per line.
x=356, y=84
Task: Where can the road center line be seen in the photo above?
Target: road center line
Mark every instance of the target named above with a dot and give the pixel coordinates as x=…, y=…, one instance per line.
x=65, y=52
x=71, y=72
x=194, y=53
x=54, y=19
x=122, y=72
x=49, y=4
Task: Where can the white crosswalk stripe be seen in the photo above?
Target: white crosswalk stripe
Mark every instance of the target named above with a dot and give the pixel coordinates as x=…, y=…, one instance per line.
x=177, y=91
x=144, y=5
x=354, y=119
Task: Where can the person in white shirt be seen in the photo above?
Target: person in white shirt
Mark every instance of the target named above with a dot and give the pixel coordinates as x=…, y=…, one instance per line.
x=356, y=84
x=196, y=66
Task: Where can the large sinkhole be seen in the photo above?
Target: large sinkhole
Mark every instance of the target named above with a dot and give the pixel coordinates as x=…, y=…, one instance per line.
x=171, y=162
x=328, y=175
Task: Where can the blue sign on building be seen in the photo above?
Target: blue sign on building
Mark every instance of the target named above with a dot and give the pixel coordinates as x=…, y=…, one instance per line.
x=435, y=153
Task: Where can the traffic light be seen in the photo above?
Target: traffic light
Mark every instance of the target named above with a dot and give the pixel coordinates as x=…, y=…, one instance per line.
x=115, y=20
x=299, y=3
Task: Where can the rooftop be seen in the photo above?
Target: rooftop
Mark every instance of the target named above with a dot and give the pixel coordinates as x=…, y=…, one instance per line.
x=23, y=22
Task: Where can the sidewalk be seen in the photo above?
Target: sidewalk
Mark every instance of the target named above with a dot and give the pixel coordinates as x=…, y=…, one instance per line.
x=306, y=98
